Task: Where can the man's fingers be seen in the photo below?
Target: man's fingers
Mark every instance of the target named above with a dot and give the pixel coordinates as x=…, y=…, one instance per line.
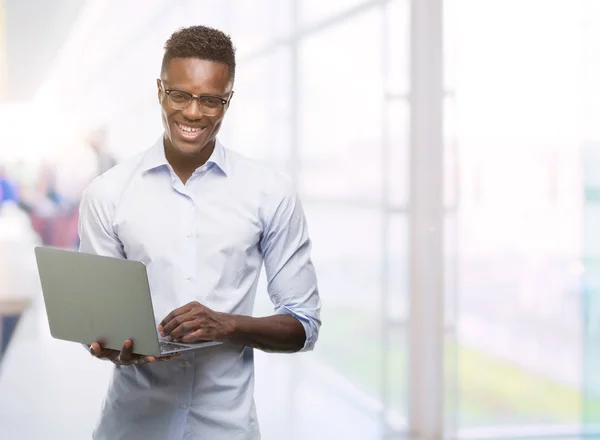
x=164, y=322
x=179, y=311
x=113, y=356
x=95, y=348
x=172, y=315
x=173, y=327
x=156, y=359
x=197, y=336
x=126, y=351
x=185, y=327
x=123, y=357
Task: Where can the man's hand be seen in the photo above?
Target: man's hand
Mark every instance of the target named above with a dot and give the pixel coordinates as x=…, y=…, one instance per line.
x=123, y=357
x=195, y=322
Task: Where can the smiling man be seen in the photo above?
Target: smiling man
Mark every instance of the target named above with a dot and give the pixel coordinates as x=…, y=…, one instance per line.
x=204, y=220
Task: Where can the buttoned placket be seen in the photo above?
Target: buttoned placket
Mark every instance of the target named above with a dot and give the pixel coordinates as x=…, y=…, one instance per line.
x=189, y=272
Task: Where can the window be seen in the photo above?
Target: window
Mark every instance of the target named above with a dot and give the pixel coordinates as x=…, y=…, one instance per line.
x=347, y=252
x=341, y=110
x=314, y=11
x=259, y=119
x=518, y=349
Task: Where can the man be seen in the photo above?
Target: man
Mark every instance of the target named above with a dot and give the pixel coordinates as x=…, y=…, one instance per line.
x=8, y=189
x=97, y=143
x=203, y=219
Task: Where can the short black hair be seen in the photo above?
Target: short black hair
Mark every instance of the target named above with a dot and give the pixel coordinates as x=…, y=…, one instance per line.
x=202, y=42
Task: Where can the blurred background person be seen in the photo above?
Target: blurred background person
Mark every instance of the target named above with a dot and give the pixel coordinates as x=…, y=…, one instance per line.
x=98, y=143
x=8, y=188
x=74, y=169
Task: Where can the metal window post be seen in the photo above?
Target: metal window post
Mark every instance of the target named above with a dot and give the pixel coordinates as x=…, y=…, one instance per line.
x=426, y=346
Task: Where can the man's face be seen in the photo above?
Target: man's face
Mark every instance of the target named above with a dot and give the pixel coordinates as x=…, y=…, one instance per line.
x=188, y=130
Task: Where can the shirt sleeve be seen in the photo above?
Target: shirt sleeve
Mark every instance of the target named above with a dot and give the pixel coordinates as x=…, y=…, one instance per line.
x=96, y=232
x=291, y=277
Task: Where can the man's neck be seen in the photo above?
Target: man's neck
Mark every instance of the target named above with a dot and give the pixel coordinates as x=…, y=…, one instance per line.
x=185, y=165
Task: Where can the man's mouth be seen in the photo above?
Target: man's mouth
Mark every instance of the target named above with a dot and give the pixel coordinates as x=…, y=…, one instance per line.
x=188, y=132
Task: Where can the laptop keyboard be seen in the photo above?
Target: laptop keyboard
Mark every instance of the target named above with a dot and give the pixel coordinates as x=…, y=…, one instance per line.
x=169, y=346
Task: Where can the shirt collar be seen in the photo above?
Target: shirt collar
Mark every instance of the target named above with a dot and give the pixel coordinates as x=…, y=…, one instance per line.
x=155, y=157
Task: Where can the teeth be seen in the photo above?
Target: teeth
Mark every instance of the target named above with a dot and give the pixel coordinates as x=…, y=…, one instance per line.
x=188, y=129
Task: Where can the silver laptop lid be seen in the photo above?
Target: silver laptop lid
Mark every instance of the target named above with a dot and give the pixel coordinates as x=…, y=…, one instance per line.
x=95, y=298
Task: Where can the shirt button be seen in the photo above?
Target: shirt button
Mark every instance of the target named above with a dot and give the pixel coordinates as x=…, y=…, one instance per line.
x=183, y=406
x=188, y=235
x=187, y=277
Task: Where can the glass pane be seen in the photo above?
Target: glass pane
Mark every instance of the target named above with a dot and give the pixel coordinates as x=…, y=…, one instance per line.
x=398, y=283
x=451, y=396
x=258, y=121
x=352, y=344
x=341, y=110
x=591, y=284
x=348, y=265
x=396, y=312
x=519, y=233
x=257, y=23
x=591, y=216
x=395, y=356
x=312, y=11
x=397, y=19
x=451, y=29
x=450, y=154
x=451, y=273
x=398, y=114
x=591, y=69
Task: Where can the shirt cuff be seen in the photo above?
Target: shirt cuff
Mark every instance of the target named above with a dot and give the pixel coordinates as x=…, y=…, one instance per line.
x=309, y=341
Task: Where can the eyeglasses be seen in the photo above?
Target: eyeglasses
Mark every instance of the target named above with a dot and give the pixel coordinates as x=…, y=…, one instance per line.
x=209, y=105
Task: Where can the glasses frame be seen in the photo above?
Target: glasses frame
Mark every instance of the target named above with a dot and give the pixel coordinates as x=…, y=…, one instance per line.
x=224, y=102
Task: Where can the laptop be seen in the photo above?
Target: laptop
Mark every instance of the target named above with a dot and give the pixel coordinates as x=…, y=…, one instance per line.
x=92, y=298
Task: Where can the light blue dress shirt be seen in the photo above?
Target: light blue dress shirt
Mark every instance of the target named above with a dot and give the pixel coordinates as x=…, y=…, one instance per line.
x=203, y=241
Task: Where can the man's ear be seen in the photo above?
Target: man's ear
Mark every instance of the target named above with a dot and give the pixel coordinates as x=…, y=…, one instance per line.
x=230, y=98
x=159, y=90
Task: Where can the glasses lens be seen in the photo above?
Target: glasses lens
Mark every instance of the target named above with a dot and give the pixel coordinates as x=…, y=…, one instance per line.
x=210, y=106
x=179, y=100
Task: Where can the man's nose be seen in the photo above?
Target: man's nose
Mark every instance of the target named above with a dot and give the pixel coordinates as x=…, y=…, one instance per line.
x=193, y=110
